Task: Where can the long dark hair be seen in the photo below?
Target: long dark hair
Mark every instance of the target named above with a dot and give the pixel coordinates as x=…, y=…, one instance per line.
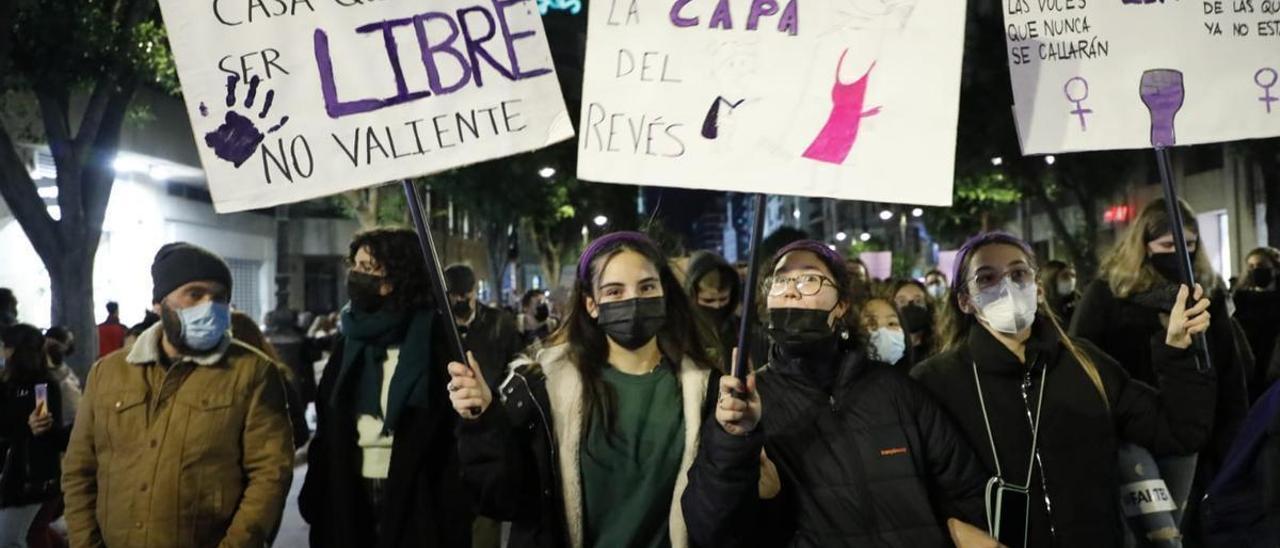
x=685, y=334
x=28, y=363
x=398, y=253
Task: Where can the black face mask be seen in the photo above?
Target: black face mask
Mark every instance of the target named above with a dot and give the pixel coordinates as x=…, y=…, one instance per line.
x=1262, y=277
x=363, y=291
x=461, y=309
x=1167, y=265
x=57, y=353
x=916, y=318
x=634, y=322
x=801, y=332
x=717, y=315
x=541, y=313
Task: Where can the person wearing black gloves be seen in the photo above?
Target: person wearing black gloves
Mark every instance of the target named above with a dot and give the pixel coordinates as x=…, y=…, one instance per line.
x=591, y=444
x=1130, y=302
x=865, y=456
x=1047, y=412
x=1257, y=301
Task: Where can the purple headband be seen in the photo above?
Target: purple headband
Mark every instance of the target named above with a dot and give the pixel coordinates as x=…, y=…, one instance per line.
x=608, y=240
x=976, y=242
x=817, y=248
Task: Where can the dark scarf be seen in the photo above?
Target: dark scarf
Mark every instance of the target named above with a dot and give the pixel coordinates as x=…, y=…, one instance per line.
x=368, y=335
x=1160, y=297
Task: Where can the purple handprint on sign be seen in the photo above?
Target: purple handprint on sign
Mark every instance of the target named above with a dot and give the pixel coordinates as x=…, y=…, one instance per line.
x=238, y=137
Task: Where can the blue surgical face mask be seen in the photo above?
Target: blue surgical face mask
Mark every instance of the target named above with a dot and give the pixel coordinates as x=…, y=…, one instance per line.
x=205, y=325
x=889, y=345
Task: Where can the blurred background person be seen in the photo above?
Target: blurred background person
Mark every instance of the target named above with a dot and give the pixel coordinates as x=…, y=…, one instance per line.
x=935, y=284
x=33, y=432
x=1258, y=311
x=535, y=321
x=111, y=332
x=886, y=338
x=917, y=312
x=716, y=291
x=1058, y=279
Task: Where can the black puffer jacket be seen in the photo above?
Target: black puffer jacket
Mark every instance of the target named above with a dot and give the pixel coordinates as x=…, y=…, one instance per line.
x=873, y=462
x=1078, y=435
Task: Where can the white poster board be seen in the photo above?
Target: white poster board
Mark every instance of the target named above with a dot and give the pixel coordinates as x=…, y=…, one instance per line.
x=296, y=99
x=1209, y=69
x=851, y=99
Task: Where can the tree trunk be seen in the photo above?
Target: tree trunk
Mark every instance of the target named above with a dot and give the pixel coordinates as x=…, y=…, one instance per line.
x=71, y=288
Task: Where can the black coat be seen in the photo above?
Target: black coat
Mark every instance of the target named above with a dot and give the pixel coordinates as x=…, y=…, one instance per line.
x=425, y=504
x=1115, y=324
x=494, y=340
x=1259, y=315
x=31, y=463
x=1079, y=433
x=874, y=462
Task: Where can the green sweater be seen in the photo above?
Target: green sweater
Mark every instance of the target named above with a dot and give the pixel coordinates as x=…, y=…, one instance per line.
x=628, y=477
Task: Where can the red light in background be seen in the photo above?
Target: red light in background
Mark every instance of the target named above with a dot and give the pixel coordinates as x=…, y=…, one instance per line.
x=1118, y=214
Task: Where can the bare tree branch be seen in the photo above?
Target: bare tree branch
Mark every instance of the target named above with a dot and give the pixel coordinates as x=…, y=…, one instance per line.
x=27, y=206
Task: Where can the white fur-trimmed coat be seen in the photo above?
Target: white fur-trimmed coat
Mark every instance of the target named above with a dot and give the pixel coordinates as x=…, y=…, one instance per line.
x=565, y=394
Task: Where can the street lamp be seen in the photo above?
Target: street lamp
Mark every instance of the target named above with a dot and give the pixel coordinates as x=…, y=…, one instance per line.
x=865, y=236
x=600, y=220
x=547, y=172
x=796, y=213
x=886, y=215
x=917, y=212
x=831, y=247
x=1050, y=159
x=997, y=161
x=841, y=236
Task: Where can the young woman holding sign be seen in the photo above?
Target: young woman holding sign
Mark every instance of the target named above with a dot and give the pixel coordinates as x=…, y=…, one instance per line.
x=590, y=444
x=866, y=458
x=1047, y=412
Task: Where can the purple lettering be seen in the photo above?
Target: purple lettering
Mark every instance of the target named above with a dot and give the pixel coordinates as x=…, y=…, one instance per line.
x=760, y=8
x=721, y=17
x=475, y=46
x=500, y=7
x=429, y=52
x=681, y=21
x=790, y=21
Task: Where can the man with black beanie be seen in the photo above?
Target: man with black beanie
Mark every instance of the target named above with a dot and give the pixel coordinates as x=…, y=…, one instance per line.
x=188, y=427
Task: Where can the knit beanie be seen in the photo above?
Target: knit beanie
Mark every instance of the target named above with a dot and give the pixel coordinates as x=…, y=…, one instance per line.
x=180, y=263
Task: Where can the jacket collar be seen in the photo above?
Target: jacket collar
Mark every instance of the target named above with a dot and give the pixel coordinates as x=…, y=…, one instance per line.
x=992, y=356
x=564, y=393
x=146, y=350
x=851, y=364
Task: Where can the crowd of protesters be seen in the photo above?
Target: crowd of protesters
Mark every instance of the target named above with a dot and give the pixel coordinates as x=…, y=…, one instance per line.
x=998, y=404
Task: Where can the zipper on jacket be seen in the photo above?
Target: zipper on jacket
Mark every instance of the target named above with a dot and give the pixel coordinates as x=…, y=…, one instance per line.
x=1027, y=384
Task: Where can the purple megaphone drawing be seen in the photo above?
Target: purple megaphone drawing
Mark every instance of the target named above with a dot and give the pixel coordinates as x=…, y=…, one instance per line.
x=1162, y=92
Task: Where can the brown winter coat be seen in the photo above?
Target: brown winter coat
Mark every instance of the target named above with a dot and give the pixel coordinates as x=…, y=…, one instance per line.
x=208, y=464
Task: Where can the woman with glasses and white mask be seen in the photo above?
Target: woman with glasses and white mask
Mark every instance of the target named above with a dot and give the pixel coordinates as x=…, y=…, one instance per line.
x=865, y=456
x=1047, y=412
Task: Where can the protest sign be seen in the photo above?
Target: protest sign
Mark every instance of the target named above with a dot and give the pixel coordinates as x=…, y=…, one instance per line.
x=851, y=99
x=296, y=99
x=1124, y=74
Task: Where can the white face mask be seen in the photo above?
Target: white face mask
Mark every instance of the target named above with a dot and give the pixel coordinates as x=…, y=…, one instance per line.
x=937, y=290
x=1066, y=287
x=889, y=345
x=1007, y=308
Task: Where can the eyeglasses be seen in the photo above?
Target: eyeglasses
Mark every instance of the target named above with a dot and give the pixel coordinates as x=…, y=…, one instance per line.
x=1021, y=276
x=807, y=285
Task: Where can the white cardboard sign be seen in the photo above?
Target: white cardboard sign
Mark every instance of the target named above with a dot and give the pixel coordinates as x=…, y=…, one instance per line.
x=1124, y=74
x=851, y=99
x=296, y=99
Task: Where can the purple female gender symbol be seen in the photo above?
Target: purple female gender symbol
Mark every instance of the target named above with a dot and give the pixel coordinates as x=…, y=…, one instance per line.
x=1267, y=98
x=1078, y=99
